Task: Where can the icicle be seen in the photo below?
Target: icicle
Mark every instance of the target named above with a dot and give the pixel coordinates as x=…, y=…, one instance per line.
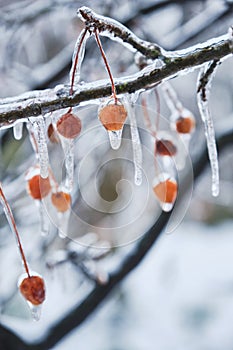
x=18, y=130
x=115, y=138
x=63, y=221
x=44, y=222
x=78, y=56
x=39, y=130
x=202, y=100
x=68, y=149
x=35, y=311
x=136, y=144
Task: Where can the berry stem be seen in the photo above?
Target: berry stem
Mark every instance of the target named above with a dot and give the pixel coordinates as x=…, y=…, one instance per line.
x=76, y=62
x=106, y=64
x=12, y=224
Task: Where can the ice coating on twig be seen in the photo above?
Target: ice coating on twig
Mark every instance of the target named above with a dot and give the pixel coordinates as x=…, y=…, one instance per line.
x=77, y=59
x=204, y=80
x=18, y=130
x=39, y=130
x=136, y=144
x=68, y=149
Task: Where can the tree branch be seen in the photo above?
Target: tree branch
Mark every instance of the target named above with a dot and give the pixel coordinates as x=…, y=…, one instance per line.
x=36, y=103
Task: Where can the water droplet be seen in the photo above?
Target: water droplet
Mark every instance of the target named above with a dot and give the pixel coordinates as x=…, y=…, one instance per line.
x=115, y=138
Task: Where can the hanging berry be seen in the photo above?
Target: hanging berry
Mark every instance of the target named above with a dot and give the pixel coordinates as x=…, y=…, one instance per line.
x=165, y=147
x=37, y=186
x=184, y=122
x=33, y=289
x=61, y=201
x=165, y=188
x=112, y=116
x=69, y=125
x=52, y=134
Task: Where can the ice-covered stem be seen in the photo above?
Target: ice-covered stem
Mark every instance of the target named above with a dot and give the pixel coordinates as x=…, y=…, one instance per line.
x=13, y=226
x=76, y=58
x=36, y=103
x=171, y=98
x=112, y=28
x=106, y=65
x=203, y=92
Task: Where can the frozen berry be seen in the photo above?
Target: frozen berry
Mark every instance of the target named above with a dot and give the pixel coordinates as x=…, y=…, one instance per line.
x=166, y=191
x=52, y=134
x=69, y=126
x=113, y=116
x=185, y=125
x=165, y=148
x=61, y=200
x=38, y=187
x=33, y=289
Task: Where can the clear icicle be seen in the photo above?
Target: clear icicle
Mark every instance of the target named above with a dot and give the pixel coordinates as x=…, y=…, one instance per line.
x=68, y=149
x=63, y=221
x=39, y=130
x=209, y=127
x=115, y=138
x=35, y=311
x=136, y=144
x=44, y=222
x=81, y=40
x=18, y=130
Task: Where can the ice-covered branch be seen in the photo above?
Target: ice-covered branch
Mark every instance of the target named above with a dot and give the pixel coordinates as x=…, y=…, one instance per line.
x=36, y=103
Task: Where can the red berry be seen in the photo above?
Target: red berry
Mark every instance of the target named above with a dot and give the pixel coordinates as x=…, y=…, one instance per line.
x=61, y=200
x=185, y=125
x=33, y=289
x=165, y=148
x=52, y=135
x=69, y=126
x=166, y=191
x=113, y=116
x=38, y=187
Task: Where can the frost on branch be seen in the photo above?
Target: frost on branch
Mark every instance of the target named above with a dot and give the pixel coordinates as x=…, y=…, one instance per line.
x=203, y=92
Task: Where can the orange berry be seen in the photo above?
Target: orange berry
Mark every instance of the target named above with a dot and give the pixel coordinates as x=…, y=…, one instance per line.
x=33, y=289
x=38, y=187
x=69, y=126
x=61, y=200
x=113, y=116
x=185, y=125
x=166, y=191
x=52, y=135
x=165, y=148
